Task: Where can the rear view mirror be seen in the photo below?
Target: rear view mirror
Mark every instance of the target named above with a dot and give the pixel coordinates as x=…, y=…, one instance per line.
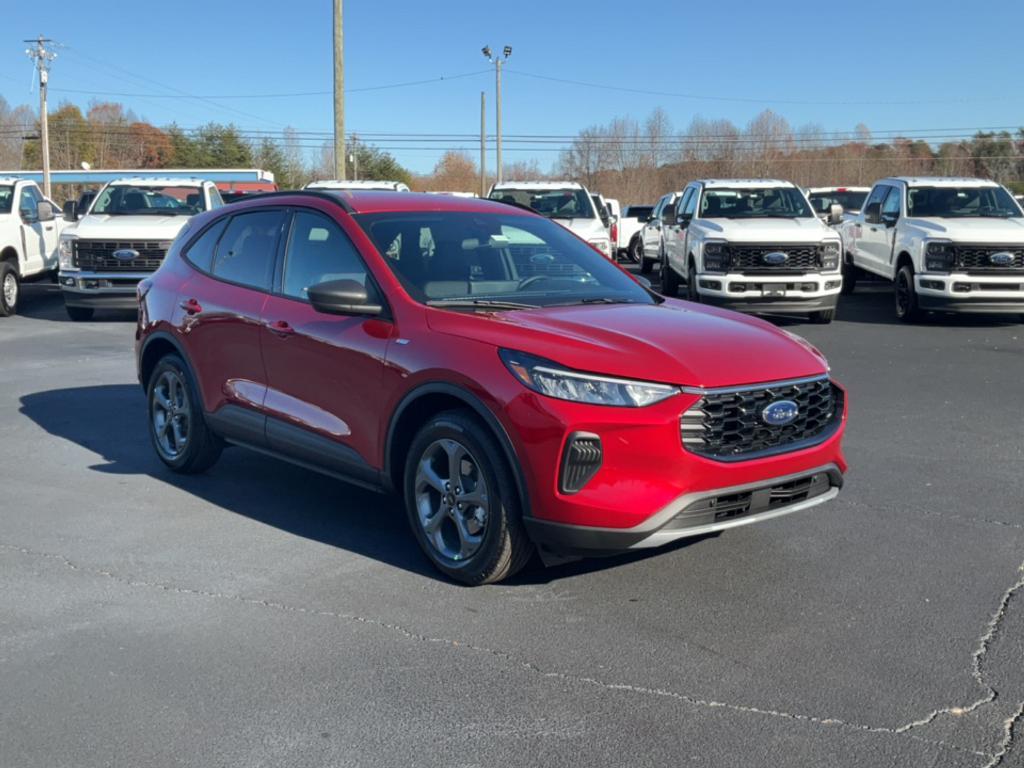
x=342, y=297
x=835, y=213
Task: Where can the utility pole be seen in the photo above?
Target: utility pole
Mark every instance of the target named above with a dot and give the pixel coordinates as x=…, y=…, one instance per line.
x=483, y=144
x=42, y=58
x=498, y=60
x=339, y=93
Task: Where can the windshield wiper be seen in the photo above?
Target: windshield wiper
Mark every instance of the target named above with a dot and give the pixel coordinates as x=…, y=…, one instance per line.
x=478, y=304
x=996, y=214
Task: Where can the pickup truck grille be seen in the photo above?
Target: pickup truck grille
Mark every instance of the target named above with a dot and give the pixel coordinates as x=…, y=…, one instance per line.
x=98, y=255
x=728, y=426
x=977, y=259
x=749, y=259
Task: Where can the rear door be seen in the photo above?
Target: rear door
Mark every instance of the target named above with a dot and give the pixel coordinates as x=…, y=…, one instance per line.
x=324, y=372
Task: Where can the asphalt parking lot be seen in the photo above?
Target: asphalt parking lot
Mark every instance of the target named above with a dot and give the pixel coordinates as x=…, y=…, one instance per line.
x=263, y=615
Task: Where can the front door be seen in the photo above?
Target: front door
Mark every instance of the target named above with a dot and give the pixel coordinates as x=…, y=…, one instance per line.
x=39, y=238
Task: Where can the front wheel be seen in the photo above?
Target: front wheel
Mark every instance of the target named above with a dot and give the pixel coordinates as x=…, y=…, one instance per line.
x=691, y=283
x=10, y=289
x=849, y=278
x=907, y=309
x=646, y=264
x=669, y=278
x=461, y=501
x=823, y=317
x=636, y=251
x=177, y=428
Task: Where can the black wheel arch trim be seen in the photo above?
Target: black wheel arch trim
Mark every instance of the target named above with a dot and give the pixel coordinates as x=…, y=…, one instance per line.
x=162, y=336
x=481, y=410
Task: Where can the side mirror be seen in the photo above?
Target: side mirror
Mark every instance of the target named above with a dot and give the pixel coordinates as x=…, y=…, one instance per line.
x=890, y=219
x=668, y=217
x=683, y=219
x=29, y=216
x=44, y=211
x=71, y=210
x=835, y=213
x=342, y=297
x=872, y=213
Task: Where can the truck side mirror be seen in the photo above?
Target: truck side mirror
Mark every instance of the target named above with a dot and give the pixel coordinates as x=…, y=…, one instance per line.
x=835, y=213
x=44, y=211
x=683, y=219
x=668, y=217
x=872, y=213
x=71, y=210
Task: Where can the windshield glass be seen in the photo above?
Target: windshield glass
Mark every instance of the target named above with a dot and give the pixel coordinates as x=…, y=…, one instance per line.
x=754, y=203
x=851, y=201
x=6, y=199
x=553, y=203
x=466, y=260
x=639, y=211
x=122, y=200
x=962, y=202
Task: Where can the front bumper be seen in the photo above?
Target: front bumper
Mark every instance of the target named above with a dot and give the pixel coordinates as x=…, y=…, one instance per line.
x=101, y=290
x=696, y=514
x=960, y=292
x=809, y=292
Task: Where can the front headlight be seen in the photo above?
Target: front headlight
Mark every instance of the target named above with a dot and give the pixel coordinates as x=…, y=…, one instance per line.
x=553, y=380
x=830, y=251
x=603, y=246
x=66, y=252
x=938, y=256
x=716, y=256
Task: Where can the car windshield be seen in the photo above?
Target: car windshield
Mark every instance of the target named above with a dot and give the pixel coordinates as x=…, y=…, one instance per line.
x=472, y=261
x=851, y=201
x=553, y=203
x=124, y=200
x=962, y=202
x=754, y=203
x=6, y=199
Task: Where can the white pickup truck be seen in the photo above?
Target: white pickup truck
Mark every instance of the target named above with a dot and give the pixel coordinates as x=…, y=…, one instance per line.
x=123, y=238
x=629, y=228
x=566, y=202
x=947, y=244
x=753, y=245
x=29, y=233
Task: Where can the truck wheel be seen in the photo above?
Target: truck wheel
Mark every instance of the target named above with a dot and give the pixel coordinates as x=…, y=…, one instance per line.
x=669, y=279
x=636, y=251
x=461, y=501
x=907, y=309
x=177, y=428
x=646, y=264
x=849, y=278
x=823, y=317
x=10, y=289
x=79, y=314
x=691, y=283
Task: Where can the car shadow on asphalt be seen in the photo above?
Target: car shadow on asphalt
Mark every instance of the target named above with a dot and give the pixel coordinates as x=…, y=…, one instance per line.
x=43, y=301
x=109, y=421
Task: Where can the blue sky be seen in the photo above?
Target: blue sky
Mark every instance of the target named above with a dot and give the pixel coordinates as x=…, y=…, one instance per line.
x=938, y=64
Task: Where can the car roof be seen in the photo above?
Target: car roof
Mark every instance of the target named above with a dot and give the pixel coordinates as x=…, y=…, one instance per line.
x=839, y=189
x=713, y=183
x=941, y=181
x=11, y=179
x=538, y=185
x=356, y=184
x=381, y=201
x=145, y=181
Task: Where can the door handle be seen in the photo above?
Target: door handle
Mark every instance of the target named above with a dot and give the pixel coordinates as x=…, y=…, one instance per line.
x=49, y=228
x=281, y=328
x=191, y=306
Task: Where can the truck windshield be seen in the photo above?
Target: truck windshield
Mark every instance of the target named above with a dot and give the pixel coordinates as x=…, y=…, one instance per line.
x=754, y=203
x=553, y=203
x=962, y=202
x=6, y=199
x=851, y=201
x=124, y=200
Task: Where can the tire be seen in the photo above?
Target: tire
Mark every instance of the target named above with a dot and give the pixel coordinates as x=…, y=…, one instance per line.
x=646, y=263
x=849, y=277
x=179, y=433
x=10, y=289
x=692, y=294
x=823, y=316
x=636, y=251
x=907, y=309
x=79, y=314
x=491, y=543
x=669, y=279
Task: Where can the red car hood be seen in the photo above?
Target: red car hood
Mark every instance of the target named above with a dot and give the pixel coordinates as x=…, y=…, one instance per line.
x=675, y=342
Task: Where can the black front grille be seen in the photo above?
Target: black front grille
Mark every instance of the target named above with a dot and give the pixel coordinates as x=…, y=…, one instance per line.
x=749, y=259
x=98, y=255
x=978, y=259
x=731, y=425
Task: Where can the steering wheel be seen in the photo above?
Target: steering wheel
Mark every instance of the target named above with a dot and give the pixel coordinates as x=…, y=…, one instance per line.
x=527, y=282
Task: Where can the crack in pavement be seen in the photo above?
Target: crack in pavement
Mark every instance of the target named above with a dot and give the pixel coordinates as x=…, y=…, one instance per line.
x=902, y=730
x=943, y=515
x=1007, y=743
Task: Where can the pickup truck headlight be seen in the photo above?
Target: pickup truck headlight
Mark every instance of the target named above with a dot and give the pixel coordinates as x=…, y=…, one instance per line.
x=830, y=255
x=553, y=380
x=716, y=256
x=66, y=252
x=603, y=246
x=938, y=256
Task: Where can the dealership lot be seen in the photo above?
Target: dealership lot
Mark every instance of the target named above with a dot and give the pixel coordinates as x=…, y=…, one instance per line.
x=262, y=614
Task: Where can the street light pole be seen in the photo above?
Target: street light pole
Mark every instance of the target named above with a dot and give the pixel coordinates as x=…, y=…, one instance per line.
x=498, y=61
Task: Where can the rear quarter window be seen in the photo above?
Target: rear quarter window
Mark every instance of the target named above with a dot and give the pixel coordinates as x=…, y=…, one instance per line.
x=201, y=252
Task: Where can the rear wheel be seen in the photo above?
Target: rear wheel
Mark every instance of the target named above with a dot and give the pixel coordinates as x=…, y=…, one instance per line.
x=177, y=428
x=907, y=308
x=10, y=289
x=636, y=251
x=79, y=314
x=461, y=501
x=691, y=282
x=823, y=317
x=849, y=277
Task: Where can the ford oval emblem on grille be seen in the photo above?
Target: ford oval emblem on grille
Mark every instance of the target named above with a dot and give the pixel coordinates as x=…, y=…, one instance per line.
x=126, y=254
x=1001, y=259
x=775, y=258
x=780, y=413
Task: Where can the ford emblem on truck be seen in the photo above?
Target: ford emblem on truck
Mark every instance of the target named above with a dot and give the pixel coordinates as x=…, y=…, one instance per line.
x=780, y=413
x=775, y=258
x=126, y=254
x=1001, y=259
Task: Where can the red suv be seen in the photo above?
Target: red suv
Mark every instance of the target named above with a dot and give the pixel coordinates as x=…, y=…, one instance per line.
x=519, y=390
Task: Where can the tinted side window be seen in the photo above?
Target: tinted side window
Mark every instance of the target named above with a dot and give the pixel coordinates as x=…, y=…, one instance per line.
x=246, y=252
x=691, y=204
x=200, y=253
x=318, y=252
x=28, y=201
x=683, y=200
x=877, y=194
x=891, y=206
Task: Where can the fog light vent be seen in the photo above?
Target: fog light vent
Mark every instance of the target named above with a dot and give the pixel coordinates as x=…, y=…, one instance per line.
x=581, y=461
